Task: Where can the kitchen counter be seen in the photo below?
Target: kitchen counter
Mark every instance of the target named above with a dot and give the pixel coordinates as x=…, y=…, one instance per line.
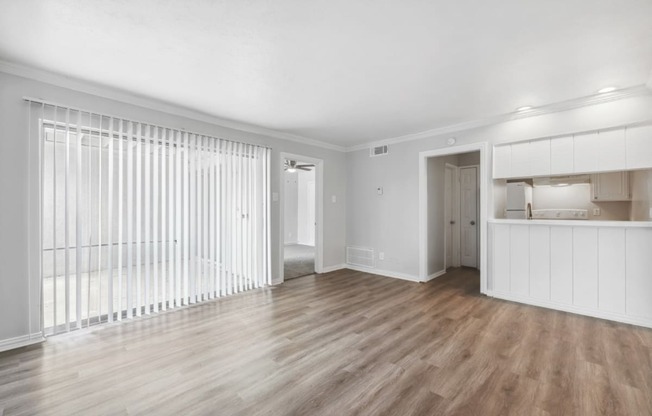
x=594, y=268
x=575, y=223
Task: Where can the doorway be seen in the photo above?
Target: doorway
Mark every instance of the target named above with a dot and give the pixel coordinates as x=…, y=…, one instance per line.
x=452, y=203
x=300, y=245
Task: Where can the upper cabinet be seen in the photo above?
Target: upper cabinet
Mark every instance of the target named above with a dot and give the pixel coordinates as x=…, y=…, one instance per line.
x=638, y=142
x=561, y=155
x=611, y=150
x=585, y=153
x=604, y=151
x=610, y=186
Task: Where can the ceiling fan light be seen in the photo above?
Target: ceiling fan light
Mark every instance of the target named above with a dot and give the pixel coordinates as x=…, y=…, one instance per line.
x=291, y=170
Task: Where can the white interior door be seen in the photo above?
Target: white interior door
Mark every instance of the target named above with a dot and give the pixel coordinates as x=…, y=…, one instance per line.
x=469, y=216
x=451, y=217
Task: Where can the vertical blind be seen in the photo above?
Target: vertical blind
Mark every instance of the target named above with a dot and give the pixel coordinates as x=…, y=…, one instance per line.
x=138, y=218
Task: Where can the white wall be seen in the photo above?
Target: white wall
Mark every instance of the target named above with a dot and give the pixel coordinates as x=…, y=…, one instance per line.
x=390, y=223
x=291, y=207
x=305, y=210
x=16, y=222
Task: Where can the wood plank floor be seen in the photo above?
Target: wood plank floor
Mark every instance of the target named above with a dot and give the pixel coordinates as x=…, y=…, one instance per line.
x=343, y=343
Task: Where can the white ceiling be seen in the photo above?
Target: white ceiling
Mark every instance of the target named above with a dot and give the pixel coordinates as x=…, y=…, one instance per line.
x=341, y=71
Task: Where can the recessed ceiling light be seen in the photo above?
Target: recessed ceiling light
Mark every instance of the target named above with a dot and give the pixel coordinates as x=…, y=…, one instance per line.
x=525, y=108
x=606, y=90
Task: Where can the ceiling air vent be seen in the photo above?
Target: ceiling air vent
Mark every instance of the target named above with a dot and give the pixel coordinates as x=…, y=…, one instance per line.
x=378, y=151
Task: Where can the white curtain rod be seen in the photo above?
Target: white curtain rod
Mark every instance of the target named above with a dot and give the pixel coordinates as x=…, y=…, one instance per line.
x=181, y=130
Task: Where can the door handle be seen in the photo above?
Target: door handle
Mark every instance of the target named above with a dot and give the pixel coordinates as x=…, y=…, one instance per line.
x=452, y=222
x=472, y=222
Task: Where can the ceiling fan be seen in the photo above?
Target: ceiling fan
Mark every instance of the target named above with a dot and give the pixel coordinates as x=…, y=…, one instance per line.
x=292, y=166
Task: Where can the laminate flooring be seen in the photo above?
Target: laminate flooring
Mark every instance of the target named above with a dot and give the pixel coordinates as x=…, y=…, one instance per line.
x=342, y=343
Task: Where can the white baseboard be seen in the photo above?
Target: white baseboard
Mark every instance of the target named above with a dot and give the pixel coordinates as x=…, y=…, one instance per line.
x=627, y=319
x=386, y=273
x=436, y=275
x=21, y=341
x=328, y=269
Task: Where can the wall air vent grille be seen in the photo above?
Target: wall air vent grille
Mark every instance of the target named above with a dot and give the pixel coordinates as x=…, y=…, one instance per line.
x=358, y=256
x=378, y=151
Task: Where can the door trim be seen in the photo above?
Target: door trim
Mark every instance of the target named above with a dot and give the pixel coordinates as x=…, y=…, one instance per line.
x=485, y=189
x=319, y=211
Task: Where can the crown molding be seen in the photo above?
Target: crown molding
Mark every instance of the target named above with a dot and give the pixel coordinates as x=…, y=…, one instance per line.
x=115, y=94
x=639, y=90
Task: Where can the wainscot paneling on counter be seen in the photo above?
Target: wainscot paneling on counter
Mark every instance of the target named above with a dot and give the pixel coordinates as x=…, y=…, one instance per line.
x=594, y=268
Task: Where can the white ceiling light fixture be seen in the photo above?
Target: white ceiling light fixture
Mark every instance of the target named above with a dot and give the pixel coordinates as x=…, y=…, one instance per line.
x=606, y=90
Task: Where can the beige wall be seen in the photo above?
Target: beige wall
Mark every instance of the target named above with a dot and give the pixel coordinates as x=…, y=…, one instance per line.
x=641, y=186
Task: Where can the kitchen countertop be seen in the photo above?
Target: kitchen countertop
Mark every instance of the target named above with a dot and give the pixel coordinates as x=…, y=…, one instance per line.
x=576, y=223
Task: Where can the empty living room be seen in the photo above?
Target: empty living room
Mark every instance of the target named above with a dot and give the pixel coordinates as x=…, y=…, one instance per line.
x=325, y=207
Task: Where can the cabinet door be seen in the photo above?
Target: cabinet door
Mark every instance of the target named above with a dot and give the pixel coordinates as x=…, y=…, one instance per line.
x=561, y=155
x=611, y=265
x=540, y=157
x=585, y=267
x=561, y=265
x=520, y=160
x=519, y=259
x=585, y=153
x=610, y=186
x=502, y=161
x=501, y=258
x=540, y=262
x=639, y=147
x=611, y=150
x=639, y=278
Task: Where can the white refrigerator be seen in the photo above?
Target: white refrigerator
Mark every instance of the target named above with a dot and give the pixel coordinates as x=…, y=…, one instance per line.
x=519, y=201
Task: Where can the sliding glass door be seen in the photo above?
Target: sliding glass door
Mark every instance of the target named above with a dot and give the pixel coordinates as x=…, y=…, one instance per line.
x=137, y=218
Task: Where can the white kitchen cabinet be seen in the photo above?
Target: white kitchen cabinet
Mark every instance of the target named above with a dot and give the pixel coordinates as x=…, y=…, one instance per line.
x=585, y=267
x=561, y=265
x=561, y=155
x=500, y=274
x=519, y=259
x=520, y=160
x=639, y=272
x=639, y=147
x=611, y=150
x=610, y=186
x=585, y=153
x=540, y=157
x=540, y=262
x=611, y=264
x=502, y=161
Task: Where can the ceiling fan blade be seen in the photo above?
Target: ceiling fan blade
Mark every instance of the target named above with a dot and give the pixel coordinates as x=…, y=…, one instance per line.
x=303, y=168
x=307, y=165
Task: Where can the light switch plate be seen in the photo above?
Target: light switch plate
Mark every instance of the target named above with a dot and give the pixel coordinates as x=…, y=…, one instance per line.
x=596, y=212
